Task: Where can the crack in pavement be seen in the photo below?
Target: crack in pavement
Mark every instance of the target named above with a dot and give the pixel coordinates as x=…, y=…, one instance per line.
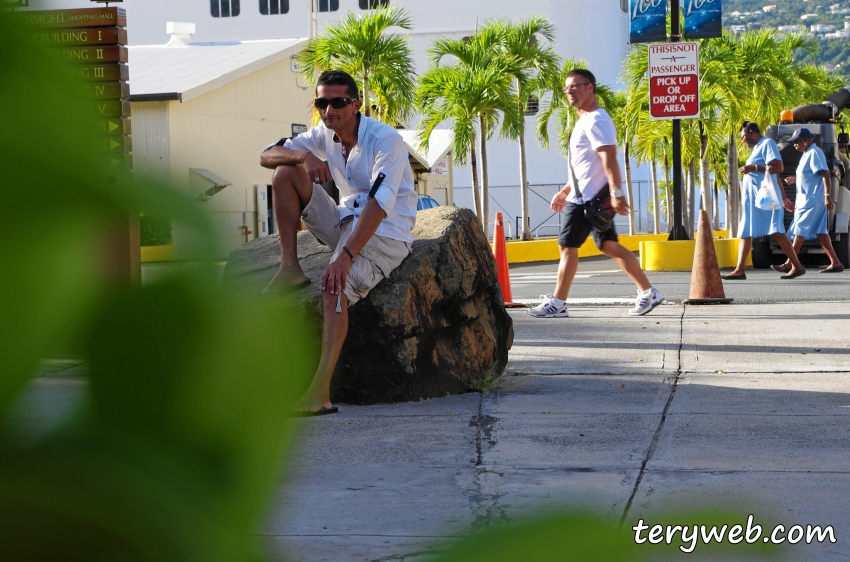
x=654, y=443
x=486, y=507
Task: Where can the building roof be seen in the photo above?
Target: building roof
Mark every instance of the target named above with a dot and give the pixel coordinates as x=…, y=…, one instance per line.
x=183, y=72
x=439, y=145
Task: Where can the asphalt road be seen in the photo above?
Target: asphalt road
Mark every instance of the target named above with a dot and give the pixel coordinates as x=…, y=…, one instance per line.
x=599, y=282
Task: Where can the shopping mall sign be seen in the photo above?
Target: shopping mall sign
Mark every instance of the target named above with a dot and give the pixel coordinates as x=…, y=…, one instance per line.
x=674, y=81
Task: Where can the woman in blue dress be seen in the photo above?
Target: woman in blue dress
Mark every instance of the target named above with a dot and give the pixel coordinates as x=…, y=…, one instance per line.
x=764, y=159
x=814, y=199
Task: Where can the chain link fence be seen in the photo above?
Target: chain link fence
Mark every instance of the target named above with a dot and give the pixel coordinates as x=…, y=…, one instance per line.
x=542, y=221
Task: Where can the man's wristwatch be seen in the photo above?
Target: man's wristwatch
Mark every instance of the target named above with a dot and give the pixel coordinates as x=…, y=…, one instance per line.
x=617, y=193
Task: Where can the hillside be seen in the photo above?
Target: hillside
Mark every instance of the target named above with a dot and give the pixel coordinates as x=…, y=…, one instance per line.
x=834, y=51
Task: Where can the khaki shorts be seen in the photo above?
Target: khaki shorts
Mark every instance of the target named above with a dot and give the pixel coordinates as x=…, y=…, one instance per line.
x=378, y=258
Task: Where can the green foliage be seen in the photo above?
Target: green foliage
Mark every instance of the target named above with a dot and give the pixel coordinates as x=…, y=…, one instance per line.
x=565, y=115
x=749, y=76
x=476, y=83
x=471, y=92
x=177, y=447
x=787, y=12
x=575, y=536
x=663, y=192
x=379, y=61
x=154, y=230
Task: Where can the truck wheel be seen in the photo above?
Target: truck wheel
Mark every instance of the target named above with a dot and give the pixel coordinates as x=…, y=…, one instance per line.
x=842, y=248
x=761, y=253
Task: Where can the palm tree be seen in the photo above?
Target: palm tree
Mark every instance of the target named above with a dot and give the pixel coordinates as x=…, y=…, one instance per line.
x=538, y=64
x=381, y=62
x=471, y=92
x=565, y=115
x=769, y=81
x=750, y=76
x=625, y=125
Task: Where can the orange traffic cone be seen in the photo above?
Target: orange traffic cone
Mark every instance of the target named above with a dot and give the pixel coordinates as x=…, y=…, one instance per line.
x=706, y=286
x=500, y=252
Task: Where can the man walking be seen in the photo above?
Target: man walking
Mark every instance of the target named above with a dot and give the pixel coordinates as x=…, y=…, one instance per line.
x=370, y=232
x=594, y=166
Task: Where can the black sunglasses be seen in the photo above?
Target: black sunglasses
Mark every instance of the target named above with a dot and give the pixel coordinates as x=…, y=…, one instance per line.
x=336, y=103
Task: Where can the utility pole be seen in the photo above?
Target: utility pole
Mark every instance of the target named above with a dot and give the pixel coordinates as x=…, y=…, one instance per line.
x=678, y=230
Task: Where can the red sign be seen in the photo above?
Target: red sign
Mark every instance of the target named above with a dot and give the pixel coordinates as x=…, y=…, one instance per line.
x=674, y=96
x=674, y=81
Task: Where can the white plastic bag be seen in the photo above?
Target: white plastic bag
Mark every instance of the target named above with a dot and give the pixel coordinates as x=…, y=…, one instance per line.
x=767, y=198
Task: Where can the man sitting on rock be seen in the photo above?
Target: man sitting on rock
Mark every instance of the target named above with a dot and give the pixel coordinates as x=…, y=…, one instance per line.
x=370, y=232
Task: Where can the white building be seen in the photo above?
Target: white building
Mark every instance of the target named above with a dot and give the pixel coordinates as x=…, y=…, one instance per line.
x=840, y=34
x=822, y=28
x=791, y=28
x=594, y=31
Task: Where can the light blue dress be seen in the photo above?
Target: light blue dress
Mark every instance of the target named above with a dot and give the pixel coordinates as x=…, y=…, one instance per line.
x=758, y=222
x=810, y=207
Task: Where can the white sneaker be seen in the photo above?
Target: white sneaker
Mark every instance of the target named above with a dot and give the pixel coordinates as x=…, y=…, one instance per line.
x=645, y=303
x=549, y=308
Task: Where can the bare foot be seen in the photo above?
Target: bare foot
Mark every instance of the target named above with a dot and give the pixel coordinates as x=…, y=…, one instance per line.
x=309, y=402
x=289, y=278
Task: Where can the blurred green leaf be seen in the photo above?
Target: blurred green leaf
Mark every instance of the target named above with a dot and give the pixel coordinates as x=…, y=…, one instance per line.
x=571, y=536
x=580, y=536
x=58, y=203
x=176, y=450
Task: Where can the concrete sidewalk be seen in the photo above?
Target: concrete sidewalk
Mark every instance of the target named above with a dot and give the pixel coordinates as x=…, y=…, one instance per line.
x=744, y=405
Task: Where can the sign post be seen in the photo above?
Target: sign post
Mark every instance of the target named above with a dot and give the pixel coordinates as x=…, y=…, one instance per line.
x=677, y=229
x=674, y=83
x=94, y=42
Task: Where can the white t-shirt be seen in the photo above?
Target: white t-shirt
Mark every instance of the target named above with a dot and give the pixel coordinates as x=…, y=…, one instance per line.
x=593, y=130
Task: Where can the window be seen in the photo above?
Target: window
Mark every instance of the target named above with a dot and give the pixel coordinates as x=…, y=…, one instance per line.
x=372, y=4
x=271, y=7
x=224, y=8
x=328, y=5
x=533, y=106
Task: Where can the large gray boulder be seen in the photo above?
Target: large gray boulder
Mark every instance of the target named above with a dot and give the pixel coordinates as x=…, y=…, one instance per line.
x=436, y=326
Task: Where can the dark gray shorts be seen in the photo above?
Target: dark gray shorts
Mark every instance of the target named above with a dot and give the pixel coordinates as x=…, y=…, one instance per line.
x=575, y=229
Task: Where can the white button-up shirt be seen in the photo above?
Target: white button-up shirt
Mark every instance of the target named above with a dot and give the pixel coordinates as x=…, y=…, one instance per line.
x=379, y=150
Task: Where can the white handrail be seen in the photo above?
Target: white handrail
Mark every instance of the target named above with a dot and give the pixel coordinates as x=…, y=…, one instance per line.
x=506, y=223
x=536, y=230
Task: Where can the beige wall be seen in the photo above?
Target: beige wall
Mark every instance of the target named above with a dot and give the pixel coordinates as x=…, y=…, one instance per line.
x=225, y=130
x=440, y=183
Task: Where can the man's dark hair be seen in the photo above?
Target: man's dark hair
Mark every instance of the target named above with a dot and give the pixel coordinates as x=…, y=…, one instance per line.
x=749, y=127
x=339, y=78
x=584, y=73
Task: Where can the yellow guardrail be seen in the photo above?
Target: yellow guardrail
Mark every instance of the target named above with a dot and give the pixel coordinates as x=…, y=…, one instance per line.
x=157, y=253
x=656, y=253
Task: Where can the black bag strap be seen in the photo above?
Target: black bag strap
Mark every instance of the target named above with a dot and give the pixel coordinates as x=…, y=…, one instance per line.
x=378, y=181
x=573, y=172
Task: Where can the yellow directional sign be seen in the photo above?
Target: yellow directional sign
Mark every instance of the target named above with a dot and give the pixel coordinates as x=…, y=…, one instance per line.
x=115, y=126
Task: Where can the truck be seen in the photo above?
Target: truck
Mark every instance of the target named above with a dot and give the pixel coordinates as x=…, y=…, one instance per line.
x=821, y=120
